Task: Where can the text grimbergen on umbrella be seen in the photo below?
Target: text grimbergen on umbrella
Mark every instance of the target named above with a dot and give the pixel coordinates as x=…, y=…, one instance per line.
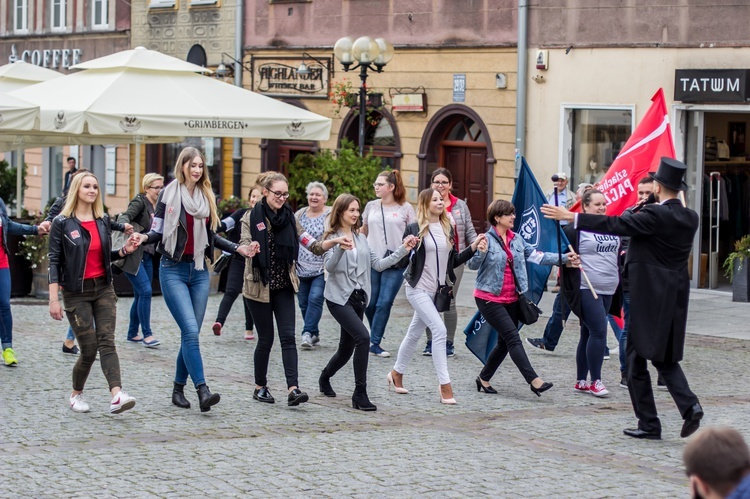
x=277, y=76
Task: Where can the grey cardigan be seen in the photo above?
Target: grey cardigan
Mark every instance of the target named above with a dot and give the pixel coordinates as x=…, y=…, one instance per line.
x=345, y=272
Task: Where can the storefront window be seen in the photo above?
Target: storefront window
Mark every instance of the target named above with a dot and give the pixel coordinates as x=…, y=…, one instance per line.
x=593, y=139
x=380, y=136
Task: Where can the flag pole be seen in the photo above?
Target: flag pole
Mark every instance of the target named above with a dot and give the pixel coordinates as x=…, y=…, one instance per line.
x=555, y=178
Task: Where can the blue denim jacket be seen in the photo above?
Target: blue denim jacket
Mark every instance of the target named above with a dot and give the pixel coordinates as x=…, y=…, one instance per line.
x=491, y=264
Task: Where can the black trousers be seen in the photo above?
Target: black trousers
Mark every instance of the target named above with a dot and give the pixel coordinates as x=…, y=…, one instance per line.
x=355, y=339
x=503, y=317
x=281, y=307
x=235, y=280
x=642, y=394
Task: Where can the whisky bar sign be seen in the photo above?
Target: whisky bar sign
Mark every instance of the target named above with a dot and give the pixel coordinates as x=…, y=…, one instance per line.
x=712, y=85
x=279, y=77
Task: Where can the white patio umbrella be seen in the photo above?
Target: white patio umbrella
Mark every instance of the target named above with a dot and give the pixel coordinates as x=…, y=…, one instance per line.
x=13, y=76
x=143, y=92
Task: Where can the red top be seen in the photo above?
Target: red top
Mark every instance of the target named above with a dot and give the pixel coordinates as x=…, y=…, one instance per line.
x=3, y=255
x=449, y=208
x=95, y=258
x=189, y=244
x=508, y=293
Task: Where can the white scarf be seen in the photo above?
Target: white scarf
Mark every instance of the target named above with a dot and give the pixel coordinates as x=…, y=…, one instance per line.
x=176, y=197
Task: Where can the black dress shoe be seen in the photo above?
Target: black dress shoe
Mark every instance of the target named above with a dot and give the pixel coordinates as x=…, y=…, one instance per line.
x=263, y=395
x=638, y=433
x=72, y=350
x=692, y=420
x=486, y=389
x=297, y=397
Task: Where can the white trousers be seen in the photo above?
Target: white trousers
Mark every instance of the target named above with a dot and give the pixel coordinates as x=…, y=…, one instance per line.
x=425, y=315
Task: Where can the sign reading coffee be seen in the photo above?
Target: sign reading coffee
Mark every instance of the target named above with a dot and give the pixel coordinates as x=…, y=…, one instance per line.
x=712, y=85
x=279, y=77
x=47, y=58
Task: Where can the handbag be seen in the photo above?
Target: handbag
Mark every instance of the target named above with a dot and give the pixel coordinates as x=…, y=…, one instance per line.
x=444, y=294
x=528, y=311
x=404, y=262
x=222, y=262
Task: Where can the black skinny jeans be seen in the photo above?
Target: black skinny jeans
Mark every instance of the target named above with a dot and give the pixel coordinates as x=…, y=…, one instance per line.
x=280, y=306
x=503, y=317
x=235, y=280
x=355, y=339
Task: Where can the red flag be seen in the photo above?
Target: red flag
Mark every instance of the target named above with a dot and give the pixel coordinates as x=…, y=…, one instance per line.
x=651, y=140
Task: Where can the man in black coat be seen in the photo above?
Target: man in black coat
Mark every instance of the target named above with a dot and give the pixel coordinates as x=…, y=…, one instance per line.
x=656, y=266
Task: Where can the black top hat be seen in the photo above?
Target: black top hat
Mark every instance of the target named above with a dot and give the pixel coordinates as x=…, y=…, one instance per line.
x=670, y=174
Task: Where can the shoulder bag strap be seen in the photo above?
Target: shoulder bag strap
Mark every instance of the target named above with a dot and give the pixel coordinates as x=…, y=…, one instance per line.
x=382, y=214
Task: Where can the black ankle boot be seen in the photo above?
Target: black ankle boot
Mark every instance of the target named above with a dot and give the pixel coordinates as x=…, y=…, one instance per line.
x=178, y=396
x=325, y=385
x=360, y=400
x=206, y=398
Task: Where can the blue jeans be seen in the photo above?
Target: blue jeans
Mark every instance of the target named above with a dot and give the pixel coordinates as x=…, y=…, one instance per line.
x=6, y=318
x=590, y=353
x=385, y=286
x=185, y=292
x=310, y=296
x=554, y=328
x=140, y=311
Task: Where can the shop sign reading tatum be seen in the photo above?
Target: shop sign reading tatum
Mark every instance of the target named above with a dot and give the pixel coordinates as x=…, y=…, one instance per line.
x=712, y=85
x=277, y=76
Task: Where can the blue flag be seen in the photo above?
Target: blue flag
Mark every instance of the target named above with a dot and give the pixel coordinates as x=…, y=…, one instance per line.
x=536, y=230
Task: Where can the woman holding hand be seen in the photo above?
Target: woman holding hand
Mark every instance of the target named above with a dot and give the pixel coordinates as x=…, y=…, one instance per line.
x=501, y=275
x=79, y=263
x=430, y=267
x=347, y=290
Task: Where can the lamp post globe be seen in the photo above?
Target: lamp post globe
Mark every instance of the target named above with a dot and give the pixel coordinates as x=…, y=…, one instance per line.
x=367, y=54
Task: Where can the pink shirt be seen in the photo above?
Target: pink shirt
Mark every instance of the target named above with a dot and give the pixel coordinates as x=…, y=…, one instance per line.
x=508, y=293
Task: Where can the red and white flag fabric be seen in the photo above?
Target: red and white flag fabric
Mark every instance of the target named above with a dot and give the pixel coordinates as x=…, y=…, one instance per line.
x=651, y=140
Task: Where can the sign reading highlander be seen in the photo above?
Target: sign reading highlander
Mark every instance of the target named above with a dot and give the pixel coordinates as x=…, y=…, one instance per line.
x=279, y=76
x=216, y=124
x=711, y=85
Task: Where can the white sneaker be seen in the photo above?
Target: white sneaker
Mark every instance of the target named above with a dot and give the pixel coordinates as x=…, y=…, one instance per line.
x=121, y=403
x=307, y=342
x=77, y=404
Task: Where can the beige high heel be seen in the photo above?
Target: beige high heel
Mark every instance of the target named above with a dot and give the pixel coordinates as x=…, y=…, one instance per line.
x=397, y=389
x=450, y=401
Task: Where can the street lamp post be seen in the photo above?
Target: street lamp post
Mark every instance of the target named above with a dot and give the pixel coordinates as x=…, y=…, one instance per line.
x=368, y=54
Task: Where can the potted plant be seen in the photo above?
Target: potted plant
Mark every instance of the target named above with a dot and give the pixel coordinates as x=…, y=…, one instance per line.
x=343, y=95
x=737, y=267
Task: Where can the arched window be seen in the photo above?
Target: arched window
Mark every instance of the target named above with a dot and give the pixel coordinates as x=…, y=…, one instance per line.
x=381, y=135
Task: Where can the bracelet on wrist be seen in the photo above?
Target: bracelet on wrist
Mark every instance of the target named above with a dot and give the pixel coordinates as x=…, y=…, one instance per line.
x=54, y=301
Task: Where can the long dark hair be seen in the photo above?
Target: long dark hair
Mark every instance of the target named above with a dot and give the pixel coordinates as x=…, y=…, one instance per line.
x=337, y=212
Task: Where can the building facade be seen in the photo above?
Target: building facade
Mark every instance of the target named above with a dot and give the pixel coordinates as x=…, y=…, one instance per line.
x=605, y=62
x=449, y=90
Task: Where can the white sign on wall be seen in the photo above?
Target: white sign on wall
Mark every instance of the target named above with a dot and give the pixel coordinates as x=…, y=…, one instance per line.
x=110, y=157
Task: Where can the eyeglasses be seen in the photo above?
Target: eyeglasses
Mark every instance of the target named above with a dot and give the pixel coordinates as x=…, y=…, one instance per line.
x=440, y=182
x=156, y=187
x=378, y=184
x=279, y=195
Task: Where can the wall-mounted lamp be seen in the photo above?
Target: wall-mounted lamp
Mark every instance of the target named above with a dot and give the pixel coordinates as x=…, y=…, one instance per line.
x=222, y=70
x=305, y=70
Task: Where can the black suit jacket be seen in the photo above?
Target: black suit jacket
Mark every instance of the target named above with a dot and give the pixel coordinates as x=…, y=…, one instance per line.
x=656, y=266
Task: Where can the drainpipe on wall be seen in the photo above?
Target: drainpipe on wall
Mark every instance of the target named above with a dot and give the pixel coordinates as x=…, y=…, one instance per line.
x=238, y=68
x=523, y=21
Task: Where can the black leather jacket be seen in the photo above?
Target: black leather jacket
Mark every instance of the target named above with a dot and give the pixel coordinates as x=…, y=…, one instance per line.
x=413, y=272
x=156, y=233
x=69, y=245
x=13, y=228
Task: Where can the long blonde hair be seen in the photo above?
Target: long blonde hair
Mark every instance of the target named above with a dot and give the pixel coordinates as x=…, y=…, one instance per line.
x=337, y=212
x=71, y=203
x=204, y=183
x=423, y=215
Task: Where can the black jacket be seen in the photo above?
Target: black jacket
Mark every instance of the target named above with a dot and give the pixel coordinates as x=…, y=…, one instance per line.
x=571, y=280
x=68, y=246
x=155, y=236
x=661, y=239
x=413, y=272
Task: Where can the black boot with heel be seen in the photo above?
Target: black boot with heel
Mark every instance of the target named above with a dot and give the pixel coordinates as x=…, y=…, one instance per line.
x=361, y=401
x=206, y=398
x=178, y=396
